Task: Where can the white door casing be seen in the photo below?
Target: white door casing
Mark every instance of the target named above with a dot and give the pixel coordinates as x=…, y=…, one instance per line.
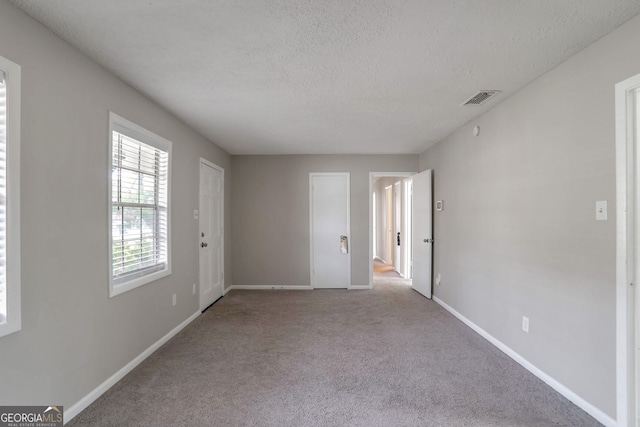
x=374, y=234
x=380, y=218
x=211, y=233
x=329, y=226
x=627, y=113
x=422, y=237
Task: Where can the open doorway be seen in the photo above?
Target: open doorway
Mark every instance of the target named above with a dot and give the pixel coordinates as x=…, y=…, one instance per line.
x=390, y=228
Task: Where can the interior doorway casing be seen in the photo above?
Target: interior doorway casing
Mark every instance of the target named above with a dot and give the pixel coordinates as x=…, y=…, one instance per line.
x=627, y=250
x=374, y=231
x=372, y=176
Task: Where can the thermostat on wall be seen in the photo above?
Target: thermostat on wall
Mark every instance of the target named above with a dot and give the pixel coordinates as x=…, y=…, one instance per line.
x=439, y=205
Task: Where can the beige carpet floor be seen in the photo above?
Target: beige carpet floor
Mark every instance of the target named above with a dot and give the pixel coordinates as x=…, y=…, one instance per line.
x=383, y=357
x=380, y=266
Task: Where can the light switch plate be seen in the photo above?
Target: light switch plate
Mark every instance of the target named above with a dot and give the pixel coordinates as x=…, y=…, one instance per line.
x=601, y=210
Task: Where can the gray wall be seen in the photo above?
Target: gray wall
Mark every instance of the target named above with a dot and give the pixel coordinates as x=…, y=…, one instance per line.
x=270, y=204
x=73, y=335
x=518, y=234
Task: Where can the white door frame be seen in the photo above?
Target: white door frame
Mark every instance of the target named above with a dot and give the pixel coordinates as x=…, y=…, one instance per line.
x=374, y=231
x=627, y=253
x=372, y=176
x=221, y=170
x=311, y=240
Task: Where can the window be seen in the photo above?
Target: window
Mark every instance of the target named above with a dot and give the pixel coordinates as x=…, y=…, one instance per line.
x=10, y=316
x=140, y=221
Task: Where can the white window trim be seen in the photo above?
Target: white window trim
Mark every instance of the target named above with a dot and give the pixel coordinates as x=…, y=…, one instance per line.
x=122, y=125
x=14, y=311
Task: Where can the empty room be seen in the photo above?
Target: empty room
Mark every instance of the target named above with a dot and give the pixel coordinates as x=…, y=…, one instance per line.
x=319, y=213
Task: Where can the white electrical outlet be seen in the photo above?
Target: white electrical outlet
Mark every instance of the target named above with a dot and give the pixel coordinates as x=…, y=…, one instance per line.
x=175, y=300
x=438, y=279
x=194, y=289
x=525, y=323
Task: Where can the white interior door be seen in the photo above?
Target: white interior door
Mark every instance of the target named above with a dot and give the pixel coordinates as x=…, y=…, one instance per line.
x=329, y=222
x=211, y=233
x=407, y=230
x=397, y=220
x=633, y=293
x=422, y=232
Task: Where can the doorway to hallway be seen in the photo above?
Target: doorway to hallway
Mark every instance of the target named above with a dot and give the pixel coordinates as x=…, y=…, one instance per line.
x=390, y=226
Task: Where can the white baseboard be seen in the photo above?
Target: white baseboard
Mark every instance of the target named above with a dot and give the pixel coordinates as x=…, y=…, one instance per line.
x=81, y=405
x=270, y=287
x=288, y=287
x=553, y=383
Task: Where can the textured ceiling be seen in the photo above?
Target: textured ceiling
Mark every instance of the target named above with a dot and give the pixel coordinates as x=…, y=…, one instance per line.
x=328, y=76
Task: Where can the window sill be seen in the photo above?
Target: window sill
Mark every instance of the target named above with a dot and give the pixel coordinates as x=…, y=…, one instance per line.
x=10, y=327
x=120, y=288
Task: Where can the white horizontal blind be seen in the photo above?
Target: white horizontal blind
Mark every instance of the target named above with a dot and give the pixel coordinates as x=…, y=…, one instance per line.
x=139, y=191
x=3, y=198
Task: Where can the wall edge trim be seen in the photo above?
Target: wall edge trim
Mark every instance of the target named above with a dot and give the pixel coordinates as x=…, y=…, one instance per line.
x=270, y=287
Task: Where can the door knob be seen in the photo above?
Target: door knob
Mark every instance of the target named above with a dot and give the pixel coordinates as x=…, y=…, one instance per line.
x=203, y=245
x=428, y=240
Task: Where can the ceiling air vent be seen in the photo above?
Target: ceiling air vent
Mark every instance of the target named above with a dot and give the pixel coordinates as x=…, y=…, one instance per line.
x=481, y=97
